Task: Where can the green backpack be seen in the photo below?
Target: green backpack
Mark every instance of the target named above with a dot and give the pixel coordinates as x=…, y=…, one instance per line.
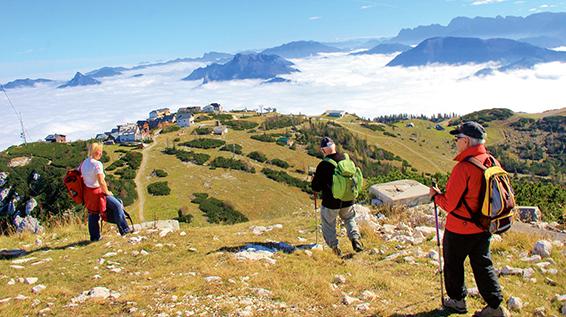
x=347, y=181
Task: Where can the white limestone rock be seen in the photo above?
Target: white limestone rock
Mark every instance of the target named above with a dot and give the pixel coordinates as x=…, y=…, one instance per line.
x=515, y=304
x=542, y=248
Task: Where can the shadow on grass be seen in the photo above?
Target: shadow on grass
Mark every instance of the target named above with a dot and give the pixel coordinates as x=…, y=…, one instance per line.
x=16, y=253
x=438, y=312
x=266, y=246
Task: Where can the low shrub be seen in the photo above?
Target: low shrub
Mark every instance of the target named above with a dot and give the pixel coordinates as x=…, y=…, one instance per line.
x=234, y=148
x=160, y=173
x=282, y=177
x=159, y=189
x=203, y=131
x=264, y=137
x=204, y=143
x=126, y=173
x=231, y=164
x=240, y=124
x=217, y=211
x=280, y=163
x=257, y=156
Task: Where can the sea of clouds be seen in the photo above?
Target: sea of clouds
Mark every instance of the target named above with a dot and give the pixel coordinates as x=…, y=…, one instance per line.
x=356, y=84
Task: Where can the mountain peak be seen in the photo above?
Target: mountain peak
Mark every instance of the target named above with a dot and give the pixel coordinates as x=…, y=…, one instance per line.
x=244, y=66
x=80, y=80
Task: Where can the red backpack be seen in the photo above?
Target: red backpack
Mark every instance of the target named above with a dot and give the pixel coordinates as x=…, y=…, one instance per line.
x=73, y=180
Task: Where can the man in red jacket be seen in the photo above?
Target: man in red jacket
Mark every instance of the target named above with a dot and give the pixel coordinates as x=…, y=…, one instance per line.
x=462, y=237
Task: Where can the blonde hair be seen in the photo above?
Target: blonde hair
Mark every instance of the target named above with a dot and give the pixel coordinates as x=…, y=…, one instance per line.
x=94, y=148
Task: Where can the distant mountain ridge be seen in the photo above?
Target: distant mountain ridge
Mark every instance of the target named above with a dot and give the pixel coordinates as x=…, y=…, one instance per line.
x=385, y=48
x=460, y=50
x=542, y=29
x=106, y=72
x=20, y=83
x=80, y=80
x=244, y=66
x=300, y=49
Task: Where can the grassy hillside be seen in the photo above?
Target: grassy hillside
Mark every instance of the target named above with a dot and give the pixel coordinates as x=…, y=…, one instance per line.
x=254, y=195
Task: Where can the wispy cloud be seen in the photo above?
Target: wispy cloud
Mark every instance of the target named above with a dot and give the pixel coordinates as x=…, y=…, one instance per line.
x=360, y=84
x=313, y=18
x=542, y=7
x=482, y=2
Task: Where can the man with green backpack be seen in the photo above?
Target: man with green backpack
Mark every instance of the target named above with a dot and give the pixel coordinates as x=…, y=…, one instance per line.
x=340, y=182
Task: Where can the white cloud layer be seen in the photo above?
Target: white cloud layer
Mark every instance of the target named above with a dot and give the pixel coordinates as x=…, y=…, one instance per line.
x=358, y=84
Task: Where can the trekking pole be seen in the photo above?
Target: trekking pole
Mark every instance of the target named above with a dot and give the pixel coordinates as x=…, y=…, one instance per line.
x=315, y=194
x=440, y=270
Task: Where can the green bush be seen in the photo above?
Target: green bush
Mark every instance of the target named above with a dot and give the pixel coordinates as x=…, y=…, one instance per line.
x=257, y=156
x=171, y=128
x=234, y=148
x=133, y=159
x=282, y=177
x=127, y=173
x=231, y=164
x=116, y=164
x=203, y=131
x=264, y=137
x=160, y=173
x=240, y=124
x=387, y=133
x=125, y=189
x=204, y=143
x=188, y=156
x=199, y=197
x=280, y=163
x=159, y=189
x=218, y=211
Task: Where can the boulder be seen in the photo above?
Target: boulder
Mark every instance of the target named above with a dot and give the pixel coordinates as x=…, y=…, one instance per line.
x=515, y=304
x=38, y=288
x=339, y=279
x=95, y=293
x=27, y=224
x=402, y=192
x=428, y=232
x=349, y=300
x=542, y=248
x=3, y=178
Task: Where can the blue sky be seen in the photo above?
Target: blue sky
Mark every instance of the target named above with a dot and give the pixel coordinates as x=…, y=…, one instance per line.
x=50, y=37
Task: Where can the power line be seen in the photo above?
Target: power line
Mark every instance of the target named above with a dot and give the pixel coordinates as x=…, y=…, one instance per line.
x=18, y=114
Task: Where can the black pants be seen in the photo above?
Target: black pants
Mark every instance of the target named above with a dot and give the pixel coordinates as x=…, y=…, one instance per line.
x=456, y=248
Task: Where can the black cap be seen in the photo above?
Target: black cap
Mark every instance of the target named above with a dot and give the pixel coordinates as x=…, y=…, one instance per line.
x=471, y=129
x=326, y=142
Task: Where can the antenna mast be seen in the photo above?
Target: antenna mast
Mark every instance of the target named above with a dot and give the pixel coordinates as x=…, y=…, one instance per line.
x=18, y=114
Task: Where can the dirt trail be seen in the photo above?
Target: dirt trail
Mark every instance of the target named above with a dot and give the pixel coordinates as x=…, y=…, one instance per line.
x=138, y=181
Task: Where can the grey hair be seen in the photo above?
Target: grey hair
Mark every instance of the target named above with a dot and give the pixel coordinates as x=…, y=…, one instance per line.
x=474, y=141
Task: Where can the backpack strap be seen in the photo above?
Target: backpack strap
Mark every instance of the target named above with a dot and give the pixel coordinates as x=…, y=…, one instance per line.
x=331, y=161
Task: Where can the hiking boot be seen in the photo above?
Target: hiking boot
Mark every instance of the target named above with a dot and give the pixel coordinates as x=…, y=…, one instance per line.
x=492, y=312
x=458, y=306
x=337, y=251
x=357, y=245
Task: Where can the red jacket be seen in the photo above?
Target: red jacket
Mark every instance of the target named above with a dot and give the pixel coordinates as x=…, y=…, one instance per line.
x=465, y=182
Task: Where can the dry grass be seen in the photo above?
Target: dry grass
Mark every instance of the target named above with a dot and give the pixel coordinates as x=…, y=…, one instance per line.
x=296, y=279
